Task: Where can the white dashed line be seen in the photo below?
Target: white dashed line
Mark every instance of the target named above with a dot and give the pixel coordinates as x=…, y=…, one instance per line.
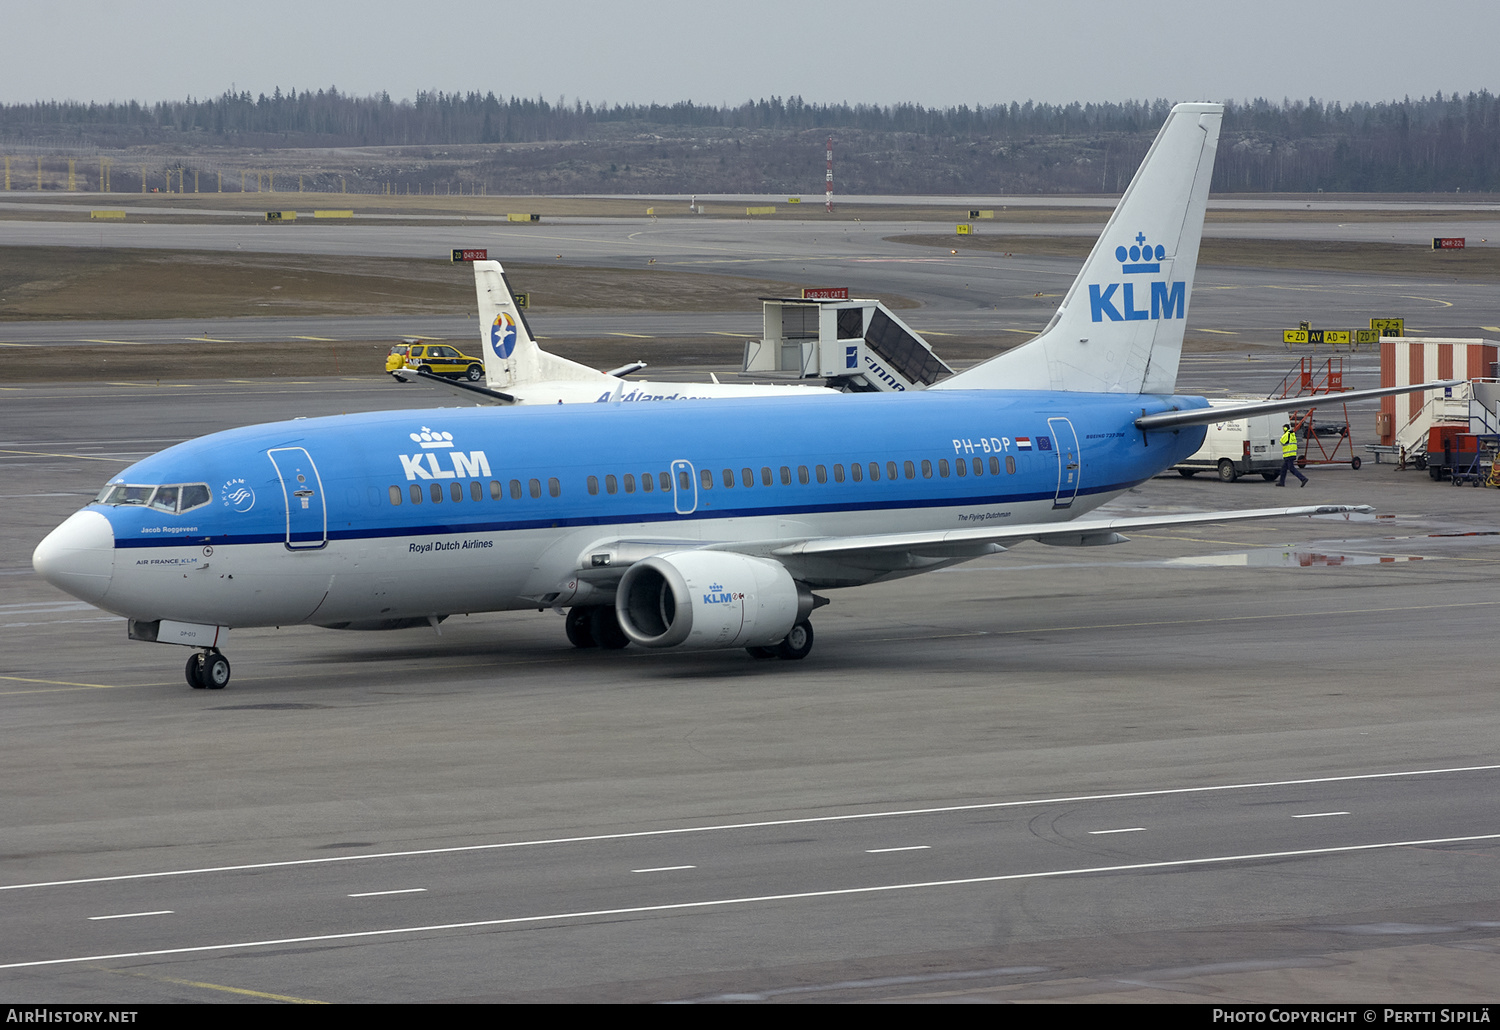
x=1126, y=829
x=381, y=894
x=133, y=915
x=664, y=869
x=1318, y=815
x=882, y=851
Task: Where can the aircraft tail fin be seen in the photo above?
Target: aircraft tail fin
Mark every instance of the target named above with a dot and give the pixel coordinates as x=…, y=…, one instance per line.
x=1120, y=326
x=511, y=355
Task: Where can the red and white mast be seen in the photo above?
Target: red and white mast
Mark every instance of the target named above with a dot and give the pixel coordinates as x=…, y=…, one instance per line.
x=828, y=185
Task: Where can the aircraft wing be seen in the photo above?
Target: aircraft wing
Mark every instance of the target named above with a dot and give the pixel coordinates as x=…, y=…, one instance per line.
x=473, y=391
x=956, y=543
x=1208, y=416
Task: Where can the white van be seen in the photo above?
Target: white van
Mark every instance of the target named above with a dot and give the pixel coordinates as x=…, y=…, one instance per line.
x=1239, y=446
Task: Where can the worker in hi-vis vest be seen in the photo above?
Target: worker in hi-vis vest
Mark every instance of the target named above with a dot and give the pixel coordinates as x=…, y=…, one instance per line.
x=1289, y=455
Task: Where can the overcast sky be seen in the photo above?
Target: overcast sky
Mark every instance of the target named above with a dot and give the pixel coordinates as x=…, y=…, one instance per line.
x=932, y=52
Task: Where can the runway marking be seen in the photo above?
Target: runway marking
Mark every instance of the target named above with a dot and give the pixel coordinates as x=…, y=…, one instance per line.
x=886, y=851
x=1318, y=815
x=317, y=339
x=157, y=384
x=1221, y=332
x=719, y=827
x=43, y=345
x=217, y=987
x=381, y=894
x=124, y=343
x=715, y=332
x=134, y=915
x=209, y=339
x=1486, y=328
x=633, y=336
x=683, y=906
x=664, y=869
x=57, y=683
x=1220, y=619
x=81, y=457
x=1126, y=829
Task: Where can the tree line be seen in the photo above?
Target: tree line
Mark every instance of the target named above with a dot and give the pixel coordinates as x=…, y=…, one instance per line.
x=1432, y=144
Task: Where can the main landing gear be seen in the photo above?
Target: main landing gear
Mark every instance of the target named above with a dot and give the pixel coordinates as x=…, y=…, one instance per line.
x=592, y=625
x=208, y=670
x=796, y=646
x=597, y=626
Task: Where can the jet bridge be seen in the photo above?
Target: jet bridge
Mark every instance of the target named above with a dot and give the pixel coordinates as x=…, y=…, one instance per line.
x=857, y=345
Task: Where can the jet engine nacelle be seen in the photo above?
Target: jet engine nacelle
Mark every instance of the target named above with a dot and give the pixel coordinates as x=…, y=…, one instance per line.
x=708, y=599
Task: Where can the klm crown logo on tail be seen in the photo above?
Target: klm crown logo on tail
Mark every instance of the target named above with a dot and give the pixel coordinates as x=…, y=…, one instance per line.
x=1168, y=300
x=503, y=335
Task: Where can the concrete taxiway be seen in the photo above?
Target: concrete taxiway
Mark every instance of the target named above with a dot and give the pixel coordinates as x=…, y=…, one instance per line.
x=1241, y=763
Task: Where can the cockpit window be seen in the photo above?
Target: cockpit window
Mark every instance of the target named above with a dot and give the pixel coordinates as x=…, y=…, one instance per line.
x=175, y=498
x=194, y=495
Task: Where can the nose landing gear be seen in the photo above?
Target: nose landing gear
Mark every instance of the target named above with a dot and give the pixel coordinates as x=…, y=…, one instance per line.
x=208, y=669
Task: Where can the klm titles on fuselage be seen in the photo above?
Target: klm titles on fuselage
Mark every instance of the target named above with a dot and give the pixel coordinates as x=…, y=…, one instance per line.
x=472, y=464
x=1117, y=301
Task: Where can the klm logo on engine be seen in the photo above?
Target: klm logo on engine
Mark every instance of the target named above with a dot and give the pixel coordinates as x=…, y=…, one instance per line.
x=427, y=466
x=718, y=595
x=1117, y=301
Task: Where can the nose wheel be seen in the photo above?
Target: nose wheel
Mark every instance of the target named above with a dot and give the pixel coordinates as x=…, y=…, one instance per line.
x=208, y=670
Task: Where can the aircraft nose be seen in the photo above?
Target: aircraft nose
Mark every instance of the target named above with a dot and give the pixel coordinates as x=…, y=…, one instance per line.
x=78, y=556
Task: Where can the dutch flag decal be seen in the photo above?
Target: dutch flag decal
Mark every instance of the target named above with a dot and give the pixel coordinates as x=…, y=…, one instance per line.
x=1023, y=443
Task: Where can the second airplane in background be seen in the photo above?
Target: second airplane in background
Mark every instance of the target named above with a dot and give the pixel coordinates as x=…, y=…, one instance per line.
x=518, y=371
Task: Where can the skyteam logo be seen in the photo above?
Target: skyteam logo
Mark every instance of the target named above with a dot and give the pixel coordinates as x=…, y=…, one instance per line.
x=237, y=496
x=503, y=335
x=1116, y=301
x=465, y=465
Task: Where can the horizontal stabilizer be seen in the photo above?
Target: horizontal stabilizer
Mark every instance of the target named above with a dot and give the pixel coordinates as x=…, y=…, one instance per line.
x=473, y=391
x=1226, y=413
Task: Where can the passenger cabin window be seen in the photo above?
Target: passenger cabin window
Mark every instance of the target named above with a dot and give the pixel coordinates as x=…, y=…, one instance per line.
x=536, y=487
x=554, y=488
x=396, y=495
x=729, y=477
x=476, y=491
x=611, y=485
x=629, y=484
x=857, y=471
x=593, y=485
x=515, y=489
x=747, y=477
x=647, y=481
x=765, y=475
x=496, y=490
x=802, y=474
x=416, y=493
x=437, y=493
x=707, y=478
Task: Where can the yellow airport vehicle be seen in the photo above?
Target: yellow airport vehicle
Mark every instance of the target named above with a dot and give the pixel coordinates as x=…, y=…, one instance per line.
x=437, y=359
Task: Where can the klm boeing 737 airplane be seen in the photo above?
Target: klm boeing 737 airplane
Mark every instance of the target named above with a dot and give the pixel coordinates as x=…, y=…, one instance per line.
x=701, y=524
